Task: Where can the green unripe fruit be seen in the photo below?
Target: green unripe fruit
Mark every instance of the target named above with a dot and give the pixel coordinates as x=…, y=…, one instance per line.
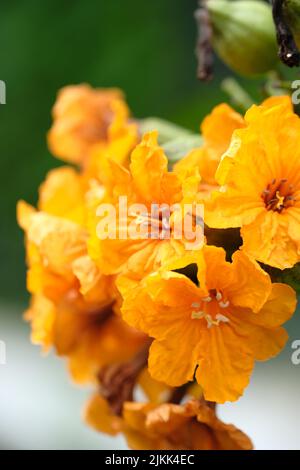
x=244, y=35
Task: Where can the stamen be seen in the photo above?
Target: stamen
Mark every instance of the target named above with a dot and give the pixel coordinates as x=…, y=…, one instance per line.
x=209, y=320
x=280, y=200
x=278, y=195
x=218, y=296
x=222, y=318
x=224, y=304
x=196, y=305
x=197, y=314
x=212, y=320
x=207, y=299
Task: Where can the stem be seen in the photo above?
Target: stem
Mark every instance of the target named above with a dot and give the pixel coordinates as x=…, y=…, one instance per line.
x=288, y=51
x=204, y=51
x=167, y=130
x=118, y=380
x=277, y=85
x=237, y=93
x=178, y=148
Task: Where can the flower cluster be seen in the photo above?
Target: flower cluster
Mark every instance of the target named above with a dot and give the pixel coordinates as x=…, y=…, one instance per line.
x=161, y=331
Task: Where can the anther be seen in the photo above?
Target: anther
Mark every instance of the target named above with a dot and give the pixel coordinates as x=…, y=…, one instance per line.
x=197, y=314
x=224, y=304
x=218, y=296
x=222, y=318
x=195, y=304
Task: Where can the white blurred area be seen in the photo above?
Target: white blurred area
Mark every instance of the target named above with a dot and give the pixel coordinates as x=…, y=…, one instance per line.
x=40, y=407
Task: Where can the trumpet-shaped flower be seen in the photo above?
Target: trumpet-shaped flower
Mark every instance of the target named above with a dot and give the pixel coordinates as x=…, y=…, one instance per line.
x=74, y=307
x=217, y=129
x=90, y=124
x=213, y=331
x=146, y=426
x=146, y=184
x=259, y=177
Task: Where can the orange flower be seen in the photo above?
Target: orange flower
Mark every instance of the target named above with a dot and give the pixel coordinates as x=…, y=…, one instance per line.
x=260, y=189
x=213, y=332
x=122, y=136
x=89, y=123
x=73, y=305
x=63, y=194
x=100, y=417
x=146, y=426
x=88, y=340
x=217, y=129
x=148, y=182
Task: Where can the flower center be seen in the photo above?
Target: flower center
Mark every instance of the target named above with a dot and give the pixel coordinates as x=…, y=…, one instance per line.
x=156, y=223
x=278, y=195
x=210, y=308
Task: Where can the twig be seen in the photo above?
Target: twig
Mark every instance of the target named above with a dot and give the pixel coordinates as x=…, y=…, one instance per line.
x=288, y=51
x=204, y=51
x=237, y=94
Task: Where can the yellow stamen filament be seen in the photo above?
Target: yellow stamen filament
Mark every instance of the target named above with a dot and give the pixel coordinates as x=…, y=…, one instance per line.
x=280, y=200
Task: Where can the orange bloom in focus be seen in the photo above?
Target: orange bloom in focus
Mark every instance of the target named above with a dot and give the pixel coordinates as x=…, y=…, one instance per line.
x=214, y=331
x=146, y=426
x=260, y=186
x=89, y=124
x=147, y=182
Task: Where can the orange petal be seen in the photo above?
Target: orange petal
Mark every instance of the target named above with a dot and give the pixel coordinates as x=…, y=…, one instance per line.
x=149, y=168
x=279, y=307
x=267, y=240
x=98, y=415
x=176, y=365
x=224, y=369
x=251, y=285
x=62, y=194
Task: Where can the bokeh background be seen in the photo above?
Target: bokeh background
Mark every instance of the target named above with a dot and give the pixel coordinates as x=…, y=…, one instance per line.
x=147, y=49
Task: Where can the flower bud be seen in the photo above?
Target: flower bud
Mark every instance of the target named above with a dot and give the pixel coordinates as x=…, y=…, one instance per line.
x=244, y=35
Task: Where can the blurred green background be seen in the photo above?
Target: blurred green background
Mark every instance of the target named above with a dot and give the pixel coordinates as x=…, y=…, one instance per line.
x=147, y=49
